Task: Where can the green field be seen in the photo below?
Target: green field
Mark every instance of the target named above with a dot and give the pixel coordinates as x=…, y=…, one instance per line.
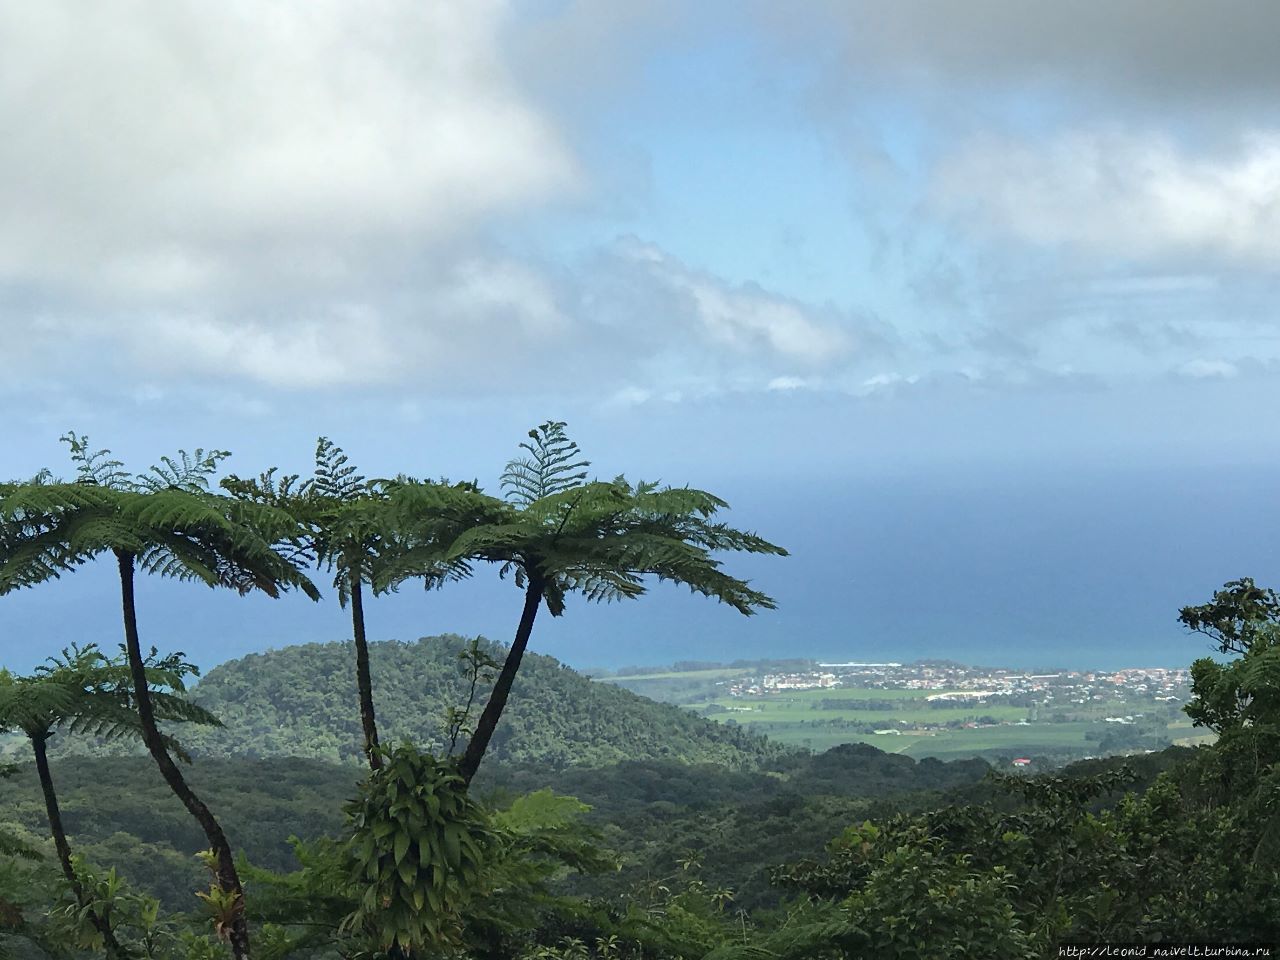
x=826, y=717
x=911, y=707
x=776, y=710
x=947, y=744
x=821, y=718
x=1032, y=739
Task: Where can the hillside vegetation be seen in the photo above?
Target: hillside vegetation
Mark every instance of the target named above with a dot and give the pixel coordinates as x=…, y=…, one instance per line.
x=651, y=812
x=300, y=702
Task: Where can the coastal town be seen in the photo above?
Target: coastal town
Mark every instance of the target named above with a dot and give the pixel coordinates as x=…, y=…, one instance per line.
x=937, y=680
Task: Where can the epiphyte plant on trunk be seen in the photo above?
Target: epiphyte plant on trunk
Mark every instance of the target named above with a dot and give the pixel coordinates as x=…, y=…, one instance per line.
x=84, y=692
x=164, y=522
x=558, y=533
x=349, y=533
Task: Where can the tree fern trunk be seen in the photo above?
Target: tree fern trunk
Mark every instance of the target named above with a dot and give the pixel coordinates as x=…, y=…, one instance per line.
x=488, y=721
x=228, y=879
x=364, y=680
x=100, y=923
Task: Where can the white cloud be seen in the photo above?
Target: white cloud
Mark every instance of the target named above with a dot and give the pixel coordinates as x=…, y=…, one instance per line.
x=885, y=383
x=629, y=396
x=289, y=194
x=1201, y=369
x=350, y=344
x=788, y=384
x=1118, y=193
x=157, y=149
x=741, y=320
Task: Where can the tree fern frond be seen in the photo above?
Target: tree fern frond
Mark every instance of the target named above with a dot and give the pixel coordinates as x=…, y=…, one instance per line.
x=552, y=466
x=84, y=692
x=603, y=585
x=12, y=845
x=335, y=477
x=175, y=529
x=266, y=488
x=187, y=472
x=32, y=708
x=176, y=709
x=96, y=467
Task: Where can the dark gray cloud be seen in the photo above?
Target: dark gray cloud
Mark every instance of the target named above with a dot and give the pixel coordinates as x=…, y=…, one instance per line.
x=1159, y=50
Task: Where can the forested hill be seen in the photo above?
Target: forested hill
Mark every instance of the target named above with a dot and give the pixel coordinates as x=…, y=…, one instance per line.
x=301, y=701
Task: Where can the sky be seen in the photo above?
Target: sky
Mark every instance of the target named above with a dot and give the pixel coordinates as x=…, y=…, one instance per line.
x=969, y=306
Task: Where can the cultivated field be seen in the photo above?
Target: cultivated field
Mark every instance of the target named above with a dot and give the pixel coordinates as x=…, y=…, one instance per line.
x=920, y=723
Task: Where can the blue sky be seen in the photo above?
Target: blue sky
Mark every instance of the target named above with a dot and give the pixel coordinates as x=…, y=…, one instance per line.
x=971, y=306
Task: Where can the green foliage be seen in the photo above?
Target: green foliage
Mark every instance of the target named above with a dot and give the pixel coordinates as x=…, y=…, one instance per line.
x=552, y=465
x=1227, y=697
x=1233, y=614
x=417, y=850
x=1001, y=880
x=341, y=514
x=164, y=522
x=166, y=518
x=13, y=846
x=84, y=692
x=598, y=539
x=47, y=919
x=742, y=822
x=480, y=669
x=493, y=898
x=300, y=701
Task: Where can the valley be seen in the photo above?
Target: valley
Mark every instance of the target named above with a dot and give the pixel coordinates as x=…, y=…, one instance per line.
x=939, y=709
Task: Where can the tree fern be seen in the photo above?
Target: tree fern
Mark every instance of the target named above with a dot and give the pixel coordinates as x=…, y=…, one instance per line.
x=557, y=534
x=354, y=528
x=165, y=522
x=84, y=692
x=341, y=520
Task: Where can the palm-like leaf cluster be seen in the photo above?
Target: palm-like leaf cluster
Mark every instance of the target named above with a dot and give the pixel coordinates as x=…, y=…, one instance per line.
x=167, y=520
x=338, y=512
x=88, y=693
x=557, y=533
x=600, y=539
x=346, y=525
x=84, y=692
